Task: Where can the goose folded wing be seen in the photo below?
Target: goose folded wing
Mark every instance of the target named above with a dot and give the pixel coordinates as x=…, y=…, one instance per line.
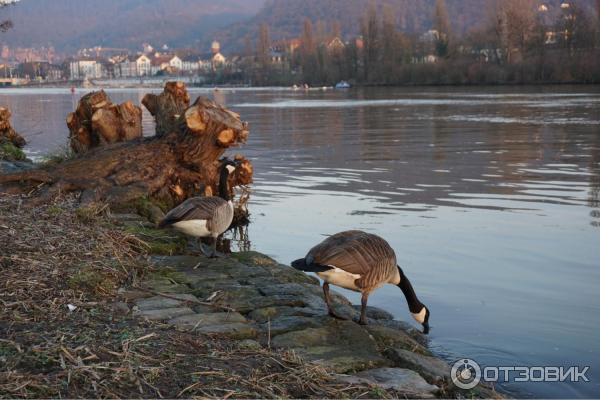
x=355, y=252
x=197, y=208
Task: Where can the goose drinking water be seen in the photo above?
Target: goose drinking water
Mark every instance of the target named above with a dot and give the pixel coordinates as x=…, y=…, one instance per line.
x=361, y=262
x=205, y=216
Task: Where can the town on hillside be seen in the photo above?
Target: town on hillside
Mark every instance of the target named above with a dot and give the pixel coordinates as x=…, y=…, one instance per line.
x=550, y=43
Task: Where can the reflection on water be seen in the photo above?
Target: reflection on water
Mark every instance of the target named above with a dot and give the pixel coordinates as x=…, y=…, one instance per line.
x=490, y=198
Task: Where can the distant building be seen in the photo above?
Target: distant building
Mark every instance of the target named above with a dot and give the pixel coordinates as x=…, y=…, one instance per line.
x=40, y=70
x=212, y=62
x=85, y=69
x=276, y=57
x=124, y=66
x=143, y=65
x=176, y=63
x=190, y=62
x=335, y=45
x=215, y=47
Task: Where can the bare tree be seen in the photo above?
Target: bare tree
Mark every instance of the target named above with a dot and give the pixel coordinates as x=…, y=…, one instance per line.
x=308, y=52
x=7, y=24
x=370, y=33
x=263, y=46
x=390, y=44
x=517, y=22
x=442, y=26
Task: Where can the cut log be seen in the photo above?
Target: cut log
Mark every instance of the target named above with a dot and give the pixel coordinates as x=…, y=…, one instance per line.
x=97, y=121
x=6, y=130
x=167, y=107
x=168, y=168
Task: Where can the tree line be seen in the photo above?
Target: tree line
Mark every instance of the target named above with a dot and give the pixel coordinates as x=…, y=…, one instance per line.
x=521, y=42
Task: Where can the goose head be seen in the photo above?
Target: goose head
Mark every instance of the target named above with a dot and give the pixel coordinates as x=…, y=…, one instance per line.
x=422, y=317
x=228, y=166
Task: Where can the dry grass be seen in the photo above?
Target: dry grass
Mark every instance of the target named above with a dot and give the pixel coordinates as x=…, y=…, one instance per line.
x=53, y=257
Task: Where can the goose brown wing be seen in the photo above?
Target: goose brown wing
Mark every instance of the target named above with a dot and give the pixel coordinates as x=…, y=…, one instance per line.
x=356, y=252
x=194, y=208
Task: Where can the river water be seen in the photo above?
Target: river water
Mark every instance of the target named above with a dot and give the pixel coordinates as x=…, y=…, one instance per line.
x=490, y=197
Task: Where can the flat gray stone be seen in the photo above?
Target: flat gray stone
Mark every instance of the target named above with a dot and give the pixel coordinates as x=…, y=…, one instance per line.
x=300, y=289
x=262, y=315
x=341, y=346
x=236, y=330
x=408, y=382
x=230, y=324
x=10, y=167
x=158, y=302
x=199, y=320
x=432, y=369
x=291, y=323
x=387, y=338
x=403, y=326
x=163, y=313
x=375, y=313
x=165, y=285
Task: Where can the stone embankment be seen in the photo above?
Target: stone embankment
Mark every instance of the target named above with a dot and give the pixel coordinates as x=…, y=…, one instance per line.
x=251, y=298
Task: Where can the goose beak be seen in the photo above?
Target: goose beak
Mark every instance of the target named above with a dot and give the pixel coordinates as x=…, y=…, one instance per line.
x=426, y=328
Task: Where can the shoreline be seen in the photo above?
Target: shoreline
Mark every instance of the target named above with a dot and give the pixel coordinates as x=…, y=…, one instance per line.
x=246, y=302
x=159, y=84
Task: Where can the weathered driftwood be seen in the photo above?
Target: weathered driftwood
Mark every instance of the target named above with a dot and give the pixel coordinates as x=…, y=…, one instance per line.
x=167, y=107
x=97, y=121
x=169, y=168
x=6, y=130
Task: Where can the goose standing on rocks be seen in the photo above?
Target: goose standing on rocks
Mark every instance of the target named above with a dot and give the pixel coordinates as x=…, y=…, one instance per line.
x=205, y=216
x=361, y=262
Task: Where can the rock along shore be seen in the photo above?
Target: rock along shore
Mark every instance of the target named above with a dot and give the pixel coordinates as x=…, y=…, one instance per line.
x=251, y=298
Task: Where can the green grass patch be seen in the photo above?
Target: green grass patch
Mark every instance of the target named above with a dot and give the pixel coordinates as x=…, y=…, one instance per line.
x=59, y=156
x=159, y=241
x=173, y=276
x=88, y=279
x=10, y=152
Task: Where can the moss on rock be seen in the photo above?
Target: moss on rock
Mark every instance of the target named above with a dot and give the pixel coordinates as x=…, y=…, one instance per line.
x=160, y=242
x=10, y=152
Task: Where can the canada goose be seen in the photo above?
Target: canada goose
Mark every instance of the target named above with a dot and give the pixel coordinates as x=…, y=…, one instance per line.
x=205, y=216
x=361, y=262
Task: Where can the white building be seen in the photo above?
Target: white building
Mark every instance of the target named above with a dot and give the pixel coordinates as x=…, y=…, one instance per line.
x=143, y=65
x=85, y=69
x=176, y=63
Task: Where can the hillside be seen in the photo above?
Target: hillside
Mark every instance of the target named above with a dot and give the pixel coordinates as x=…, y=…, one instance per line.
x=285, y=17
x=72, y=24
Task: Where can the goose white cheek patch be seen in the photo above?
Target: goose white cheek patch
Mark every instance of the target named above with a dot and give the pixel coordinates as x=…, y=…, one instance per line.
x=420, y=317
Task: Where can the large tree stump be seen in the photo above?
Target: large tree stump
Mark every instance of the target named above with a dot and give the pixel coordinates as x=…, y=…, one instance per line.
x=97, y=121
x=6, y=130
x=168, y=168
x=167, y=107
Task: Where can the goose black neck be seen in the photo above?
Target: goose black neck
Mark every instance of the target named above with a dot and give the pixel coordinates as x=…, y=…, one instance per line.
x=223, y=189
x=414, y=305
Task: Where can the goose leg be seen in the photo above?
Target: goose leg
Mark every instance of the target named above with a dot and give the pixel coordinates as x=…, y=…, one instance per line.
x=363, y=309
x=207, y=250
x=328, y=301
x=213, y=253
